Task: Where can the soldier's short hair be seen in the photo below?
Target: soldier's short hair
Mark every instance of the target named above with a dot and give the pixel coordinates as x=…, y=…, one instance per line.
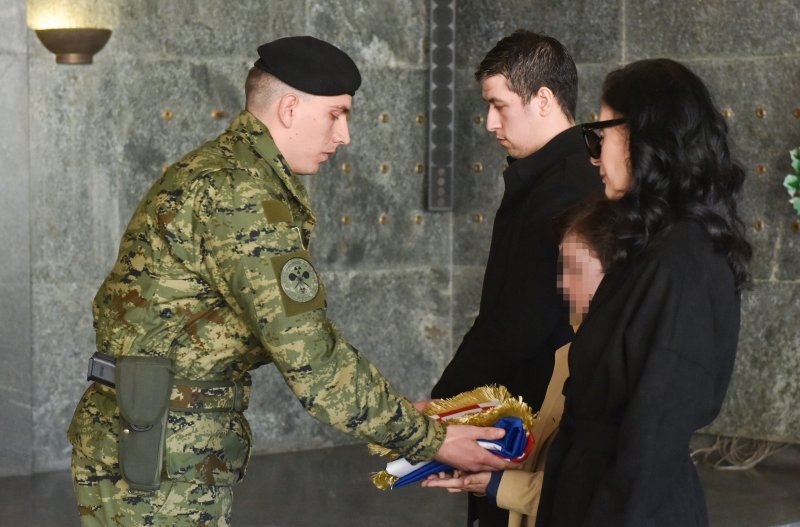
x=530, y=61
x=261, y=89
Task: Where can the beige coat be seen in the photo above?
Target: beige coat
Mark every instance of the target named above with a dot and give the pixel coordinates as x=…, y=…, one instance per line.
x=519, y=489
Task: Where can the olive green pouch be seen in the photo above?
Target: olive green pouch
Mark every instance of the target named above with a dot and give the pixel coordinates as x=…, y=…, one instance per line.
x=144, y=386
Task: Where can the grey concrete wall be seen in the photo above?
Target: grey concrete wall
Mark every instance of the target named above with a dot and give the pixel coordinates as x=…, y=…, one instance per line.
x=15, y=282
x=749, y=55
x=405, y=290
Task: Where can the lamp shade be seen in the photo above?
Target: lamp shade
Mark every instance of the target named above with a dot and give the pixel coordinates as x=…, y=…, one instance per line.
x=74, y=45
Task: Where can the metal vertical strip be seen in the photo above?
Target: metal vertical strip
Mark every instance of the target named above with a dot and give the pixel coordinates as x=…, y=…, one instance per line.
x=441, y=122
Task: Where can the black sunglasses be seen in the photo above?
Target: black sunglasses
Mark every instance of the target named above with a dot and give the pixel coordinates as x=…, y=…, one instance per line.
x=593, y=140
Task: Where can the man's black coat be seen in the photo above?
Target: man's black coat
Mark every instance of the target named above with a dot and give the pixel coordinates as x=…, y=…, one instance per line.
x=523, y=318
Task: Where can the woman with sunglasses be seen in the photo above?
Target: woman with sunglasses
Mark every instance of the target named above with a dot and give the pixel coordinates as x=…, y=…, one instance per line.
x=653, y=357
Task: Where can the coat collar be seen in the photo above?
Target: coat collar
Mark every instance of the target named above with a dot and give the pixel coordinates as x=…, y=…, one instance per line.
x=521, y=174
x=256, y=134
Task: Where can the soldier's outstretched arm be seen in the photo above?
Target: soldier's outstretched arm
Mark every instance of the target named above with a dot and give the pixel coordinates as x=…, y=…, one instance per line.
x=260, y=266
x=461, y=450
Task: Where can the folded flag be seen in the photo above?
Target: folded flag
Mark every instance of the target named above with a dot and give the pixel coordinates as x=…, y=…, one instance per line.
x=486, y=406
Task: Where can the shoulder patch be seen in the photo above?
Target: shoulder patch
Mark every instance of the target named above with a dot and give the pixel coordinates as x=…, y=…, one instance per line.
x=276, y=211
x=299, y=284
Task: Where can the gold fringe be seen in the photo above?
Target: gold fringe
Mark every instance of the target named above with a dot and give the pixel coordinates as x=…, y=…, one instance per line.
x=379, y=450
x=507, y=406
x=484, y=394
x=383, y=480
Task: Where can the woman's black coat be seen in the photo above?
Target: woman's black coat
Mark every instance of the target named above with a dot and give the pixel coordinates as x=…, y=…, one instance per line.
x=648, y=367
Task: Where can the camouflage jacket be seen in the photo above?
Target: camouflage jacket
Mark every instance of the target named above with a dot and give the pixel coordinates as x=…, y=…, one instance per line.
x=213, y=272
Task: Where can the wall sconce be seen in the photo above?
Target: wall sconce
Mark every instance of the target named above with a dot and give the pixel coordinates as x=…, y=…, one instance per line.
x=74, y=45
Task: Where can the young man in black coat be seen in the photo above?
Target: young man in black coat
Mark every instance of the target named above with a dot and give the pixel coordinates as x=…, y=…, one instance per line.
x=530, y=84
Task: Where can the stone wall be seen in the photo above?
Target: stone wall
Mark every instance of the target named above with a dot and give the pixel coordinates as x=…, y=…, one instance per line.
x=16, y=456
x=404, y=289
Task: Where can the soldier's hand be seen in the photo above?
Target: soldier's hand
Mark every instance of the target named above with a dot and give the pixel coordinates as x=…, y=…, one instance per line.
x=421, y=405
x=461, y=450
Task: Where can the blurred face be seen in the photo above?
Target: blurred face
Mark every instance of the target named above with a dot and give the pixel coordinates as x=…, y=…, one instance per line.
x=581, y=274
x=319, y=126
x=614, y=162
x=513, y=123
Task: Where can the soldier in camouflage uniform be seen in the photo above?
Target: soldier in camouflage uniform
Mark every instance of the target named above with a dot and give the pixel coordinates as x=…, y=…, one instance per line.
x=213, y=273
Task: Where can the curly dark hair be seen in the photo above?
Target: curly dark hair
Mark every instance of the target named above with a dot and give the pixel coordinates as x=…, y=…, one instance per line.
x=680, y=159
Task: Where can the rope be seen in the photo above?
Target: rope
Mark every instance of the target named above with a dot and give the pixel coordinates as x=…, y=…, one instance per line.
x=736, y=453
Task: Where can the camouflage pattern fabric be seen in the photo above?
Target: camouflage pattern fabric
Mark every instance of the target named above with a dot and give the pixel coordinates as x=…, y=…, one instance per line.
x=208, y=397
x=213, y=272
x=177, y=504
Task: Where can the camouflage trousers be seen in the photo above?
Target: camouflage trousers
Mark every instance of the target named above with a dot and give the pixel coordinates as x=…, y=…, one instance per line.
x=111, y=503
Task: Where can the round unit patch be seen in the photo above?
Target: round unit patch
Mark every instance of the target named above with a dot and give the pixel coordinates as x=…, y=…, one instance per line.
x=299, y=280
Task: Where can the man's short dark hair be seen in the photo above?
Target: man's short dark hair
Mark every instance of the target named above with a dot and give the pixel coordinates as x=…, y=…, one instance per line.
x=530, y=61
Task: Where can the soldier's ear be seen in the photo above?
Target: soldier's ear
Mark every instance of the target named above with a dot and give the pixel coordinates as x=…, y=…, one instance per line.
x=287, y=108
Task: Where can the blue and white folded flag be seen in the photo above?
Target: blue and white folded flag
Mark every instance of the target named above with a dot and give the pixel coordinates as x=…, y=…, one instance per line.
x=514, y=446
x=487, y=406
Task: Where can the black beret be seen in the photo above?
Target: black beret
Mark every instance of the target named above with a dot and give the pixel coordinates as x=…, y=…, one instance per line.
x=310, y=65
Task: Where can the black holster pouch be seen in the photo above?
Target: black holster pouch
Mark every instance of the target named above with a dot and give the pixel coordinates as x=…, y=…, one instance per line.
x=144, y=386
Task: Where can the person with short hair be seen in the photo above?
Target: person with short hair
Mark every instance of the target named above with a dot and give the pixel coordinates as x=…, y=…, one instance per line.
x=213, y=279
x=652, y=361
x=530, y=83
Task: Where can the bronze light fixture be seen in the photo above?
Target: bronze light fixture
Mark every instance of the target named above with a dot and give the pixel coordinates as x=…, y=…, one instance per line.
x=74, y=45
